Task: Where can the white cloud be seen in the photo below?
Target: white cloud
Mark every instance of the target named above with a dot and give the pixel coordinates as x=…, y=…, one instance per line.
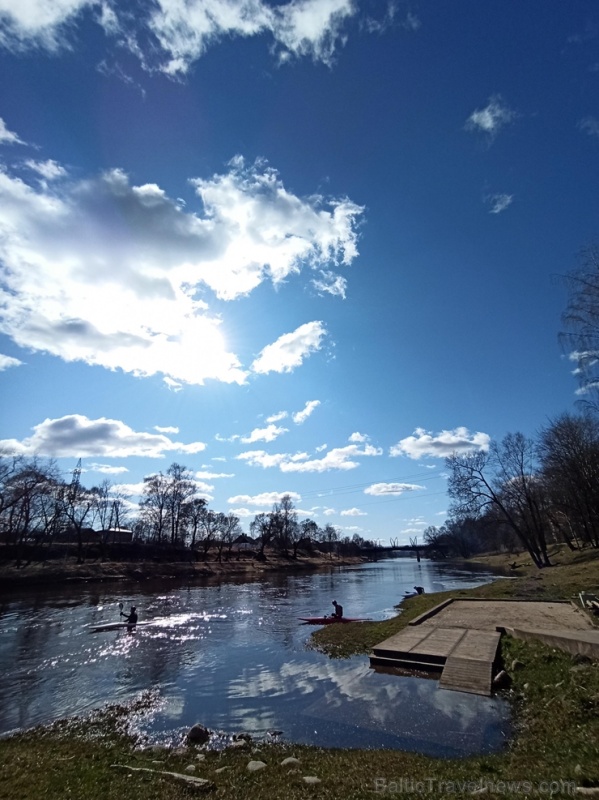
x=8, y=361
x=211, y=476
x=321, y=447
x=353, y=512
x=203, y=489
x=268, y=434
x=186, y=29
x=6, y=136
x=310, y=28
x=290, y=349
x=385, y=489
x=330, y=283
x=49, y=170
x=35, y=22
x=137, y=489
x=588, y=387
x=166, y=429
x=410, y=22
x=174, y=386
x=584, y=359
x=129, y=489
x=242, y=513
x=340, y=458
x=106, y=469
x=419, y=521
x=499, y=202
x=263, y=499
x=260, y=458
x=109, y=273
x=424, y=443
x=589, y=125
x=358, y=437
x=277, y=417
x=169, y=35
x=268, y=232
x=76, y=436
x=301, y=416
x=492, y=118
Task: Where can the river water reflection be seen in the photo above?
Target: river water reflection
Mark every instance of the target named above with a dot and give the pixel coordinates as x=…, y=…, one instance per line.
x=233, y=656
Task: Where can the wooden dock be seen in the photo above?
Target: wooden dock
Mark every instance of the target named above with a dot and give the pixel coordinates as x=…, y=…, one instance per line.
x=458, y=638
x=463, y=656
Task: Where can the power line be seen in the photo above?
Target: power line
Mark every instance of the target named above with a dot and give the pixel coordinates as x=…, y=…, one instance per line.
x=357, y=487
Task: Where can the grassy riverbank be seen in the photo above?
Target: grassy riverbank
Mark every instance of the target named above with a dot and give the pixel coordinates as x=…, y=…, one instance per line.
x=554, y=749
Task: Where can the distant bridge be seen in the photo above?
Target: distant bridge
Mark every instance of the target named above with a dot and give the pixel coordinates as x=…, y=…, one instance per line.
x=420, y=548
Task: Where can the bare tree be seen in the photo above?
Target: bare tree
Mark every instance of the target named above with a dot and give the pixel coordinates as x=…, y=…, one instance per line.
x=261, y=528
x=284, y=524
x=77, y=504
x=24, y=487
x=194, y=514
x=569, y=452
x=506, y=480
x=308, y=533
x=181, y=489
x=208, y=529
x=10, y=467
x=330, y=537
x=580, y=337
x=231, y=529
x=457, y=538
x=154, y=507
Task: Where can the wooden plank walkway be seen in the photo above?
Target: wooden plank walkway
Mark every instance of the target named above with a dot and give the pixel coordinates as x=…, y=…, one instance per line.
x=464, y=655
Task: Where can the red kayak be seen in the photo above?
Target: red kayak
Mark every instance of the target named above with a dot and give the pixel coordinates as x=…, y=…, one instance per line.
x=330, y=620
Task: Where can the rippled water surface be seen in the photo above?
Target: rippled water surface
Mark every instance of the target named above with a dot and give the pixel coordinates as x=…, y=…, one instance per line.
x=233, y=656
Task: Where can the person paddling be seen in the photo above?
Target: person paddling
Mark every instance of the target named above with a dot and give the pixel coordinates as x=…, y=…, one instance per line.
x=338, y=613
x=131, y=618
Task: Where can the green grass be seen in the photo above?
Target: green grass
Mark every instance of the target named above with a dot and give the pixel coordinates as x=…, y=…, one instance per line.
x=556, y=712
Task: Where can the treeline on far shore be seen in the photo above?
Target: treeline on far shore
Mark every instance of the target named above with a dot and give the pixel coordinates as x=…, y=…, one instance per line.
x=525, y=493
x=44, y=517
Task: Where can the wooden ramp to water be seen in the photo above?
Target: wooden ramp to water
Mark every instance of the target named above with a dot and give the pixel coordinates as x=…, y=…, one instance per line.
x=469, y=667
x=463, y=656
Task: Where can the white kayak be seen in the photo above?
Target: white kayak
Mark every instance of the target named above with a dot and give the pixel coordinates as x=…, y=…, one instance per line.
x=164, y=622
x=113, y=626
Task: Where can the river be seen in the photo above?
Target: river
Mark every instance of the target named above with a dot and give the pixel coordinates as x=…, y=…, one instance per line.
x=233, y=656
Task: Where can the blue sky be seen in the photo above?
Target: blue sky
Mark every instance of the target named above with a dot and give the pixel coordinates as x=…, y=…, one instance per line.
x=299, y=247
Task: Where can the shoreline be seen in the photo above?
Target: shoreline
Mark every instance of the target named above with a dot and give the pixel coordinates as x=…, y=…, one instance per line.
x=52, y=573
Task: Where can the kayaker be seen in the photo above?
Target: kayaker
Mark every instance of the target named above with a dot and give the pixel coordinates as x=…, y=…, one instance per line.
x=131, y=618
x=338, y=613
